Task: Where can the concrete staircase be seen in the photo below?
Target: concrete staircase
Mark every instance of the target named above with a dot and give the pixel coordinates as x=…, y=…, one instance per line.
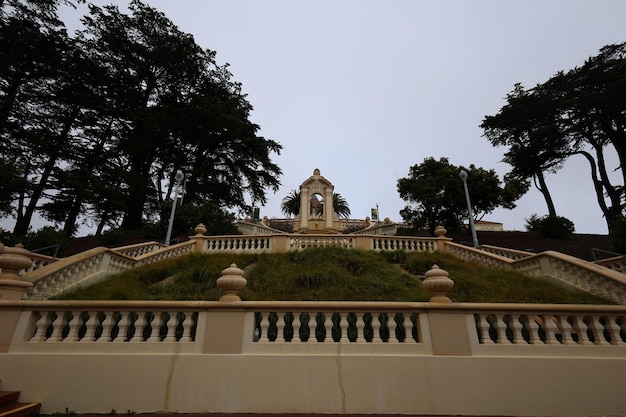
x=10, y=407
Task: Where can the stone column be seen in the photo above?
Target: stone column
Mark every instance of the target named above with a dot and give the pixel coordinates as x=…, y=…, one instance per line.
x=329, y=210
x=200, y=241
x=305, y=207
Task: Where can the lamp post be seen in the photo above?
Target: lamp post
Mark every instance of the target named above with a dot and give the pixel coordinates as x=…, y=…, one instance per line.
x=463, y=176
x=178, y=178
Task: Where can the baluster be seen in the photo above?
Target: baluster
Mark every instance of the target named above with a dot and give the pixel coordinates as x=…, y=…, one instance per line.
x=296, y=324
x=265, y=325
x=141, y=322
x=122, y=326
x=598, y=330
x=360, y=328
x=343, y=327
x=613, y=328
x=57, y=328
x=188, y=322
x=516, y=327
x=75, y=325
x=581, y=330
x=533, y=330
x=391, y=325
x=408, y=328
x=500, y=329
x=41, y=326
x=328, y=325
x=280, y=328
x=549, y=328
x=376, y=329
x=483, y=329
x=566, y=331
x=157, y=322
x=107, y=326
x=172, y=323
x=91, y=325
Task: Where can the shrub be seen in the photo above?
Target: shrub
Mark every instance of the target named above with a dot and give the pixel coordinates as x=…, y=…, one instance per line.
x=553, y=227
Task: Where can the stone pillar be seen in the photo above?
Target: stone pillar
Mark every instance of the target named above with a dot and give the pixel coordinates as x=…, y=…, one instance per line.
x=12, y=260
x=440, y=232
x=305, y=207
x=329, y=210
x=198, y=239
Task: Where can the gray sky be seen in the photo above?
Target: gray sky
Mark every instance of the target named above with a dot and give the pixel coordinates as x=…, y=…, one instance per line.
x=362, y=90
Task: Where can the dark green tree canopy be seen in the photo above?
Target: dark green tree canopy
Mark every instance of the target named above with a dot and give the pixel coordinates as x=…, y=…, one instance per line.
x=577, y=112
x=97, y=124
x=435, y=195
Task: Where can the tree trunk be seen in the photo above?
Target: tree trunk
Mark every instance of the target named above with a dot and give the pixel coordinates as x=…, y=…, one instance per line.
x=543, y=188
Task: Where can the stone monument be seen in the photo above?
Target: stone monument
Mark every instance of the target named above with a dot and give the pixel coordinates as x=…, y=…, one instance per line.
x=317, y=214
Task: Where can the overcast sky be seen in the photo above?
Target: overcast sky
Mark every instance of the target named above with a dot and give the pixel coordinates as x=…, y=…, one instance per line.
x=363, y=90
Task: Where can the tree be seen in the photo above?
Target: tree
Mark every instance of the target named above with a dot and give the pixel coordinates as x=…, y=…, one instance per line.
x=175, y=109
x=35, y=118
x=290, y=206
x=528, y=124
x=578, y=112
x=436, y=196
x=94, y=125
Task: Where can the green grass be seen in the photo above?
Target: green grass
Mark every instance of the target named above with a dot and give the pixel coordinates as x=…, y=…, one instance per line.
x=332, y=274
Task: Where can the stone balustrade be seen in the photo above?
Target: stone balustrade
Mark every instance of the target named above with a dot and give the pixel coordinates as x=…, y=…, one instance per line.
x=616, y=263
x=507, y=253
x=317, y=357
x=96, y=264
x=300, y=242
x=90, y=267
x=138, y=249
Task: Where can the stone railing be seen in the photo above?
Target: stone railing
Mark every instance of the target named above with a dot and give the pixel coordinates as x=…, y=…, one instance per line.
x=137, y=249
x=478, y=256
x=317, y=357
x=566, y=269
x=300, y=242
x=98, y=263
x=385, y=229
x=507, y=253
x=616, y=263
x=237, y=244
x=250, y=228
x=231, y=356
x=38, y=261
x=90, y=267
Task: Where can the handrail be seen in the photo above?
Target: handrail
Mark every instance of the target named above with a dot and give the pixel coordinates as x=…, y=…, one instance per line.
x=575, y=272
x=91, y=266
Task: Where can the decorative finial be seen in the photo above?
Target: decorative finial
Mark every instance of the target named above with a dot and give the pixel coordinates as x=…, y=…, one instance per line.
x=438, y=282
x=230, y=282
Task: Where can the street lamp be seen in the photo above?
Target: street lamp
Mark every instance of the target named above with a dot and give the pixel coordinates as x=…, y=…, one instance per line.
x=463, y=176
x=179, y=178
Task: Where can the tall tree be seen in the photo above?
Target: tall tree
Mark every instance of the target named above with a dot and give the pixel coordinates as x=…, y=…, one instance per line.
x=578, y=112
x=35, y=120
x=528, y=125
x=176, y=110
x=436, y=195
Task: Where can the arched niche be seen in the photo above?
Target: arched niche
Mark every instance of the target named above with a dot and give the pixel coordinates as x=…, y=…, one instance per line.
x=316, y=197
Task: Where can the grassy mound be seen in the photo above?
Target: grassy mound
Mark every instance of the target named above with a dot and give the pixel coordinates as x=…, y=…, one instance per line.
x=332, y=274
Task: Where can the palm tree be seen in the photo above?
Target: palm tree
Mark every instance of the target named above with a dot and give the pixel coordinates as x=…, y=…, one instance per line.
x=290, y=205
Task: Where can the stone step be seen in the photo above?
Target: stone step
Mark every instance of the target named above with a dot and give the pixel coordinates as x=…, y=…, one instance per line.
x=10, y=407
x=8, y=397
